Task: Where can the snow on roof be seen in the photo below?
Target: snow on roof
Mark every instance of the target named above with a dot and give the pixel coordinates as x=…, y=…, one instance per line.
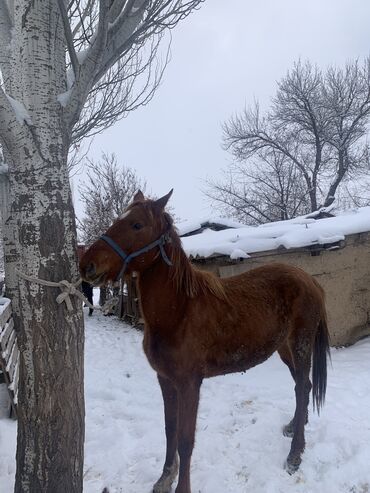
x=299, y=232
x=189, y=226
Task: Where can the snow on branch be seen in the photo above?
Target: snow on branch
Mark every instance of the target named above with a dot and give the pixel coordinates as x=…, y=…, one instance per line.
x=87, y=70
x=68, y=36
x=20, y=111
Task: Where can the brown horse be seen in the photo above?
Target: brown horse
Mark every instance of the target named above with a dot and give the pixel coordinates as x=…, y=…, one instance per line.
x=199, y=326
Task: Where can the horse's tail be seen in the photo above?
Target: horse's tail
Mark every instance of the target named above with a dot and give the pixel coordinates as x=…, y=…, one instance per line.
x=321, y=352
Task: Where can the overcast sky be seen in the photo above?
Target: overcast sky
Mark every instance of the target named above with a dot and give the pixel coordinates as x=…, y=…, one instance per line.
x=223, y=57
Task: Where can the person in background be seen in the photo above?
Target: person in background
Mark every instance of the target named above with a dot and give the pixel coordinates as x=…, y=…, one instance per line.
x=87, y=289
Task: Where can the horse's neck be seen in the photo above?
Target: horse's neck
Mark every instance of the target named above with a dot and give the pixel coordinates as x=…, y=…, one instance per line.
x=162, y=294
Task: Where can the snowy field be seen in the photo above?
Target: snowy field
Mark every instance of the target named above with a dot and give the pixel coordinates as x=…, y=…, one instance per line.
x=239, y=445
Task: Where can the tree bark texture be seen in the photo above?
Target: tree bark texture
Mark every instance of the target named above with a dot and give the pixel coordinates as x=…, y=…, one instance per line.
x=40, y=240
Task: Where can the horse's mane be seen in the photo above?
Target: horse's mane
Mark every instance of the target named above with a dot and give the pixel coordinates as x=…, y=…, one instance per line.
x=184, y=275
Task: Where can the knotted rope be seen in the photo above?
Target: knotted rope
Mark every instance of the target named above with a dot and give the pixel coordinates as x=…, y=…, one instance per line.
x=68, y=289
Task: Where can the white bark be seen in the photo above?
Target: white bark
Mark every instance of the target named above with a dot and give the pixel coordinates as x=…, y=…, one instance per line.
x=5, y=38
x=4, y=194
x=40, y=240
x=4, y=214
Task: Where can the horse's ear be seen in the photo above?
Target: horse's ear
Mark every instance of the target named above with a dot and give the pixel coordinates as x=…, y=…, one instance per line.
x=139, y=196
x=162, y=202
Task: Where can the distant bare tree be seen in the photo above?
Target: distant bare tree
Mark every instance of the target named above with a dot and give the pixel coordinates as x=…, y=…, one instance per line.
x=270, y=189
x=317, y=125
x=106, y=193
x=347, y=103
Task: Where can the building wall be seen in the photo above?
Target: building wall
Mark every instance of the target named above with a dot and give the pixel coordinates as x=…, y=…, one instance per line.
x=344, y=273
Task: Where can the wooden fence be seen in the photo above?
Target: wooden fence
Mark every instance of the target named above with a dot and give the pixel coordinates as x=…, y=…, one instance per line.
x=9, y=354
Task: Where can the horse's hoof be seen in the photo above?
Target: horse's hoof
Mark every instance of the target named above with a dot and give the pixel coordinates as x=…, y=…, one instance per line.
x=164, y=483
x=292, y=466
x=288, y=430
x=161, y=487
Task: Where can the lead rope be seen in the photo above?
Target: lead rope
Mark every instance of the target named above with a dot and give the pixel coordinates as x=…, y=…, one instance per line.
x=68, y=289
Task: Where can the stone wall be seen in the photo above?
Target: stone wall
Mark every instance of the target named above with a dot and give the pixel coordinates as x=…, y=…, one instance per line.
x=343, y=272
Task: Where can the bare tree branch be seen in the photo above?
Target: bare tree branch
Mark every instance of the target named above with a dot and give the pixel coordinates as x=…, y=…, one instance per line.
x=83, y=82
x=114, y=96
x=69, y=37
x=82, y=15
x=318, y=122
x=105, y=195
x=121, y=35
x=118, y=53
x=264, y=190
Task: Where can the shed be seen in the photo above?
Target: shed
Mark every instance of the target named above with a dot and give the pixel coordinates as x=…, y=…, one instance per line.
x=335, y=250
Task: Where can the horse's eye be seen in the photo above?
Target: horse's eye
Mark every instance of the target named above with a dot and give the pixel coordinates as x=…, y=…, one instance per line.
x=137, y=226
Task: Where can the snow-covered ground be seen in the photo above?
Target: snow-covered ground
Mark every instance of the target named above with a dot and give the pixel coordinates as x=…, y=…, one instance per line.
x=239, y=445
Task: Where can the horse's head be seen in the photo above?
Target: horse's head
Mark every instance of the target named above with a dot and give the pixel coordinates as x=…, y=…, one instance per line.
x=123, y=247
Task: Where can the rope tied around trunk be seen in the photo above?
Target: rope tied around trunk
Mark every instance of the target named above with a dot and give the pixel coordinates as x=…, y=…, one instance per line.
x=68, y=289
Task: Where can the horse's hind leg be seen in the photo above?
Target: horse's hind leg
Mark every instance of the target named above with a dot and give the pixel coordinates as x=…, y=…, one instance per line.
x=302, y=364
x=170, y=468
x=286, y=356
x=188, y=394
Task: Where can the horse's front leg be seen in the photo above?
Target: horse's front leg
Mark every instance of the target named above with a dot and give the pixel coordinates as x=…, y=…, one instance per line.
x=188, y=396
x=170, y=468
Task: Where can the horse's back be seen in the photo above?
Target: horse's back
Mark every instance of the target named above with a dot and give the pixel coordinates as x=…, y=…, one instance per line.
x=282, y=279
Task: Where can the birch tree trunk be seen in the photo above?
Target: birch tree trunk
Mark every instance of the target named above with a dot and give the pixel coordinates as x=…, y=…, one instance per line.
x=41, y=241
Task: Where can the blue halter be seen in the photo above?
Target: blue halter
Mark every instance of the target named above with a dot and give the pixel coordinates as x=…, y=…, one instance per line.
x=162, y=240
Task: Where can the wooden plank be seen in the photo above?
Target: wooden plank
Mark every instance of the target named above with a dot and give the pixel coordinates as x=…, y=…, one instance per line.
x=9, y=356
x=14, y=385
x=12, y=363
x=13, y=406
x=5, y=334
x=6, y=350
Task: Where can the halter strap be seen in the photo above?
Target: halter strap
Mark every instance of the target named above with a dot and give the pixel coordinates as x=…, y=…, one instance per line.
x=162, y=240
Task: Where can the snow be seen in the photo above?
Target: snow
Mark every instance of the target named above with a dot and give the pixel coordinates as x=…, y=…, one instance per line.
x=188, y=226
x=239, y=445
x=328, y=209
x=70, y=76
x=295, y=233
x=4, y=302
x=83, y=54
x=64, y=98
x=20, y=111
x=4, y=169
